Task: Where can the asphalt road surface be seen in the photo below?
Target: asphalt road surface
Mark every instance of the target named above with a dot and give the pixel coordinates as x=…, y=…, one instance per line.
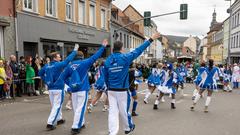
x=28, y=116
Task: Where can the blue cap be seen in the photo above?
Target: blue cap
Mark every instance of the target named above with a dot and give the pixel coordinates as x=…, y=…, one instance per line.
x=170, y=66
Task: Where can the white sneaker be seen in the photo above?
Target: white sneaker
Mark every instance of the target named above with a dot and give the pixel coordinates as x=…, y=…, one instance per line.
x=90, y=107
x=105, y=108
x=68, y=107
x=145, y=101
x=163, y=100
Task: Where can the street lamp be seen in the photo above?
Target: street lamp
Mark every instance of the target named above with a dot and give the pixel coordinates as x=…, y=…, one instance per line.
x=229, y=31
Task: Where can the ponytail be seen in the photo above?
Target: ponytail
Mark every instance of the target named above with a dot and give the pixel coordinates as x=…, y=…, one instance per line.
x=210, y=64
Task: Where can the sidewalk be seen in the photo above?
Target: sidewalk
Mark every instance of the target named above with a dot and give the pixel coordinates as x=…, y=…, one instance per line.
x=24, y=98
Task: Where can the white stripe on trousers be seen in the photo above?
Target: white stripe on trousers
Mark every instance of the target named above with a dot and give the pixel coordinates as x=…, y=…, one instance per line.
x=119, y=103
x=79, y=102
x=56, y=99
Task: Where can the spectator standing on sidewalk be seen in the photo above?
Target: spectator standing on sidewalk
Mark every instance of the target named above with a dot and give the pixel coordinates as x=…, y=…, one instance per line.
x=9, y=77
x=22, y=74
x=30, y=74
x=37, y=67
x=16, y=84
x=2, y=79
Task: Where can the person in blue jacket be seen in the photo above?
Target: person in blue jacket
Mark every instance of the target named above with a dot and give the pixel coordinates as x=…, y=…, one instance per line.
x=198, y=79
x=168, y=79
x=117, y=81
x=100, y=88
x=182, y=73
x=49, y=74
x=76, y=74
x=209, y=82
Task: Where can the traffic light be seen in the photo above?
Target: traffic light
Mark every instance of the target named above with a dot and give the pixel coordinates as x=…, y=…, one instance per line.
x=147, y=19
x=183, y=11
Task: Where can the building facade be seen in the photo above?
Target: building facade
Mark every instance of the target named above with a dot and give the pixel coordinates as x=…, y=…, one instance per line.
x=45, y=26
x=7, y=28
x=203, y=50
x=235, y=33
x=130, y=36
x=215, y=41
x=225, y=38
x=153, y=53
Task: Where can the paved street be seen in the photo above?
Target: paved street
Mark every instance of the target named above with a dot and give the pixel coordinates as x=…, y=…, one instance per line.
x=27, y=116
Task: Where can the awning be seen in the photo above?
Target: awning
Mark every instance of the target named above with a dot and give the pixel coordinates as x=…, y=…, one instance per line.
x=184, y=57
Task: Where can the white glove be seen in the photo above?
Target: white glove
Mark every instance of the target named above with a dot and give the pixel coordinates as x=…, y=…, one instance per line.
x=76, y=47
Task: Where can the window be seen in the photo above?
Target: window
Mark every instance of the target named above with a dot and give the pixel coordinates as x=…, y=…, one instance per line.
x=238, y=46
x=92, y=15
x=128, y=46
x=120, y=36
x=237, y=19
x=30, y=5
x=130, y=42
x=81, y=11
x=124, y=39
x=232, y=22
x=1, y=42
x=234, y=39
x=51, y=7
x=103, y=18
x=69, y=10
x=237, y=41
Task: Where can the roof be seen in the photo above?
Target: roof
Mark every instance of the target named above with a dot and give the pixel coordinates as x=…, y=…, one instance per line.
x=120, y=22
x=216, y=27
x=130, y=6
x=175, y=39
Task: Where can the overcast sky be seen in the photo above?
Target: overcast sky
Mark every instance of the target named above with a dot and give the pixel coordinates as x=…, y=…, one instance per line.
x=199, y=14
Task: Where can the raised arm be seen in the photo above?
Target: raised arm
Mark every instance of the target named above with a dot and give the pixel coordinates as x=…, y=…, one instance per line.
x=69, y=57
x=89, y=61
x=138, y=51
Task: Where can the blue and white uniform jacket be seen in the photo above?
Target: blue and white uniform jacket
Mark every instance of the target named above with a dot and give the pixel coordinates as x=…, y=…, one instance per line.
x=117, y=67
x=51, y=72
x=154, y=78
x=100, y=82
x=210, y=78
x=198, y=78
x=167, y=81
x=227, y=75
x=76, y=73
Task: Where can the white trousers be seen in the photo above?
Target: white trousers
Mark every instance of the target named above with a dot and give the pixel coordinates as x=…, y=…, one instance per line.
x=119, y=103
x=79, y=102
x=56, y=100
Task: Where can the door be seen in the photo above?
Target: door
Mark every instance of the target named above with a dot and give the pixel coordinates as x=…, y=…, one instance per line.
x=1, y=42
x=30, y=48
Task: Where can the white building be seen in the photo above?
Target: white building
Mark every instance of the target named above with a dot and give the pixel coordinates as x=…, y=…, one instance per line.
x=235, y=32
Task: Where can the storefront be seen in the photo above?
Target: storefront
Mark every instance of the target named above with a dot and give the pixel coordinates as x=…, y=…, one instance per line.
x=235, y=58
x=42, y=36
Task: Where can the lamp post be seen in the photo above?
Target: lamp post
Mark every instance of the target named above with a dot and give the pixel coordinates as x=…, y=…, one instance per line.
x=229, y=31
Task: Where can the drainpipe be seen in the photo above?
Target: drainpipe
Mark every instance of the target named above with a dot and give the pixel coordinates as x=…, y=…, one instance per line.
x=16, y=28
